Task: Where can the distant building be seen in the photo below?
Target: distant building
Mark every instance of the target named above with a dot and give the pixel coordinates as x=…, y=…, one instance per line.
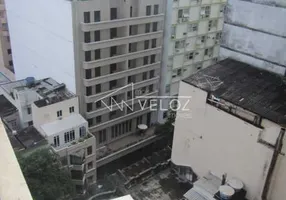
x=6, y=61
x=49, y=116
x=237, y=126
x=95, y=47
x=9, y=114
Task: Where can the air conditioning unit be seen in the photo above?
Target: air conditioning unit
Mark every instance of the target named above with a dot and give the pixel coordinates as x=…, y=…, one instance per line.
x=186, y=15
x=184, y=33
x=173, y=36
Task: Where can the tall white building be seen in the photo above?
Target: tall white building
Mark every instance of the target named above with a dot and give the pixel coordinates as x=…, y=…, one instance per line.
x=192, y=41
x=234, y=124
x=96, y=47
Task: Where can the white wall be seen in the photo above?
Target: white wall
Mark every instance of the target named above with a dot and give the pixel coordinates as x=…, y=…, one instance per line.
x=42, y=39
x=48, y=114
x=255, y=32
x=213, y=140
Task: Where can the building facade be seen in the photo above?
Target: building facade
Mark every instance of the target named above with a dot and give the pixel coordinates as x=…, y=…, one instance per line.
x=233, y=127
x=253, y=37
x=100, y=49
x=192, y=41
x=6, y=61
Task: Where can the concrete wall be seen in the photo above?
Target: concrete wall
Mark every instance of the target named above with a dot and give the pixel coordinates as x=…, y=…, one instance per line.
x=42, y=39
x=48, y=114
x=255, y=32
x=213, y=140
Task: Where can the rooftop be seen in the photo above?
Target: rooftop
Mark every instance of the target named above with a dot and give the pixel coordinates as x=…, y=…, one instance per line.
x=253, y=89
x=6, y=107
x=30, y=138
x=67, y=123
x=48, y=89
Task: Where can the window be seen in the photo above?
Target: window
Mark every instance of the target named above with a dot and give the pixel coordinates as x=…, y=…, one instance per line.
x=192, y=27
x=72, y=135
x=190, y=55
x=90, y=122
x=129, y=80
x=11, y=63
x=148, y=10
x=206, y=52
x=155, y=26
x=97, y=72
x=147, y=28
x=96, y=16
x=113, y=33
x=150, y=88
x=98, y=119
x=205, y=11
x=145, y=60
x=82, y=131
x=180, y=44
x=153, y=43
x=146, y=44
x=89, y=150
x=156, y=9
x=89, y=165
x=131, y=11
x=113, y=68
x=67, y=137
x=203, y=39
x=113, y=13
x=96, y=36
x=89, y=107
x=153, y=58
x=87, y=56
x=71, y=109
x=86, y=17
x=179, y=72
x=97, y=54
x=102, y=136
x=29, y=111
x=112, y=114
x=180, y=13
x=167, y=89
x=113, y=51
x=56, y=141
x=98, y=88
x=144, y=76
x=86, y=37
x=112, y=84
x=59, y=113
x=9, y=51
x=30, y=123
x=88, y=73
x=152, y=73
x=98, y=104
x=88, y=90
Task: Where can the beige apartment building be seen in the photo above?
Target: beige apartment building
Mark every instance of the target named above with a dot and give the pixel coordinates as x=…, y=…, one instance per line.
x=104, y=48
x=6, y=63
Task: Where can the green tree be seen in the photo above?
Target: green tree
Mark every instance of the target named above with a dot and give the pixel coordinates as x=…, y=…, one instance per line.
x=46, y=179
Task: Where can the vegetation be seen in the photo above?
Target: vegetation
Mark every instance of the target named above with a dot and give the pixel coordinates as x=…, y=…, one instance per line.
x=45, y=177
x=167, y=127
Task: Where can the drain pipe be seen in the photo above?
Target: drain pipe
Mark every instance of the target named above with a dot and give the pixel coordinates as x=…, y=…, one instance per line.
x=277, y=151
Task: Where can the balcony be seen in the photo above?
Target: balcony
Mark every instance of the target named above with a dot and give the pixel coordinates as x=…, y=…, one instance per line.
x=96, y=97
x=125, y=146
x=119, y=120
x=121, y=22
x=120, y=41
x=115, y=107
x=121, y=74
x=120, y=58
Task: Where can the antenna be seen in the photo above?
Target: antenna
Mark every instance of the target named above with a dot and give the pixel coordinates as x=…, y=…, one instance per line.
x=209, y=81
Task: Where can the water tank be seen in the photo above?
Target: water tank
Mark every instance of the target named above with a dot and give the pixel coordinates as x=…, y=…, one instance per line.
x=226, y=192
x=30, y=81
x=236, y=184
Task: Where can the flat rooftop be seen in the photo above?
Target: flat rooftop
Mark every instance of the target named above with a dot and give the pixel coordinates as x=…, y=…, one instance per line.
x=29, y=138
x=253, y=89
x=67, y=123
x=6, y=107
x=48, y=89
